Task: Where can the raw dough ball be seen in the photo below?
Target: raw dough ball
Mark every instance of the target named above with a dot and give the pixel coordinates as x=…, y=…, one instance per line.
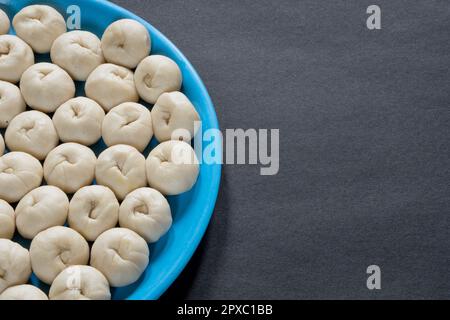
x=70, y=166
x=2, y=145
x=7, y=220
x=172, y=167
x=80, y=283
x=122, y=169
x=40, y=209
x=77, y=52
x=129, y=123
x=93, y=210
x=79, y=120
x=126, y=42
x=156, y=75
x=55, y=249
x=4, y=22
x=39, y=26
x=15, y=57
x=15, y=267
x=23, y=292
x=173, y=111
x=121, y=255
x=19, y=174
x=32, y=132
x=46, y=86
x=11, y=103
x=111, y=85
x=146, y=212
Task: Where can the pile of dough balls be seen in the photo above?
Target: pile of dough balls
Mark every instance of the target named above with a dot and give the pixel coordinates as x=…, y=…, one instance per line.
x=86, y=237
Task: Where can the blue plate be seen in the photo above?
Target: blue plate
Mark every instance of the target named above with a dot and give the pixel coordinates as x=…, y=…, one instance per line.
x=191, y=211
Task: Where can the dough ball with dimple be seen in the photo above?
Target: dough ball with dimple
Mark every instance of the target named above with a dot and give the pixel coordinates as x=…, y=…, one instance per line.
x=7, y=220
x=32, y=132
x=15, y=267
x=2, y=145
x=111, y=85
x=174, y=117
x=11, y=103
x=155, y=75
x=146, y=212
x=77, y=52
x=15, y=57
x=122, y=169
x=80, y=283
x=39, y=26
x=19, y=174
x=121, y=255
x=40, y=209
x=24, y=292
x=55, y=249
x=46, y=86
x=172, y=167
x=70, y=166
x=126, y=42
x=129, y=123
x=93, y=210
x=79, y=120
x=5, y=24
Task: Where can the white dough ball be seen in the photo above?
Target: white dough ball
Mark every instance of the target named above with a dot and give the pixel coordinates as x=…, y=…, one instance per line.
x=11, y=103
x=24, y=292
x=93, y=210
x=126, y=42
x=79, y=120
x=146, y=212
x=2, y=145
x=155, y=75
x=32, y=132
x=19, y=174
x=121, y=255
x=172, y=167
x=5, y=24
x=129, y=123
x=16, y=57
x=77, y=52
x=7, y=220
x=40, y=209
x=122, y=169
x=55, y=249
x=15, y=267
x=80, y=283
x=46, y=86
x=173, y=117
x=39, y=26
x=70, y=166
x=111, y=85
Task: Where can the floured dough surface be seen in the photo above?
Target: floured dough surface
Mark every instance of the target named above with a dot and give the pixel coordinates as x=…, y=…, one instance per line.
x=15, y=57
x=32, y=132
x=129, y=123
x=11, y=102
x=155, y=75
x=121, y=255
x=126, y=42
x=40, y=209
x=77, y=52
x=39, y=26
x=7, y=220
x=19, y=174
x=5, y=24
x=80, y=283
x=55, y=249
x=146, y=212
x=24, y=292
x=15, y=267
x=172, y=167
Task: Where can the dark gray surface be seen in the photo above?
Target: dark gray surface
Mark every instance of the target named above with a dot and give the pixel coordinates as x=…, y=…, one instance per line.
x=365, y=125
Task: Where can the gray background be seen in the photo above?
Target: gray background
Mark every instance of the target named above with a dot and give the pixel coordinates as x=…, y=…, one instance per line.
x=365, y=121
